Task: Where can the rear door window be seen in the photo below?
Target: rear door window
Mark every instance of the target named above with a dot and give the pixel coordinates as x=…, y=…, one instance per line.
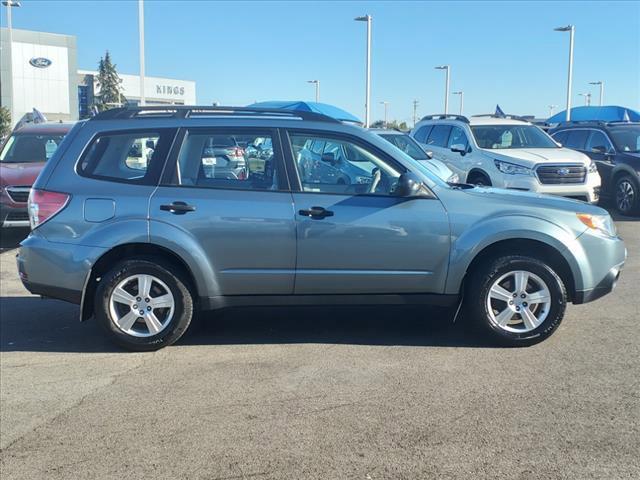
x=422, y=133
x=131, y=157
x=439, y=136
x=576, y=139
x=458, y=137
x=561, y=137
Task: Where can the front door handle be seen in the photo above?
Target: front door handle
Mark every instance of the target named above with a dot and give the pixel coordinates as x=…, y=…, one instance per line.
x=178, y=208
x=316, y=212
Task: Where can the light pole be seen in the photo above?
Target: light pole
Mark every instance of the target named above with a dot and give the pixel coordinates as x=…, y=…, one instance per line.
x=317, y=83
x=415, y=111
x=601, y=83
x=386, y=111
x=571, y=29
x=587, y=98
x=141, y=33
x=446, y=91
x=551, y=108
x=461, y=93
x=367, y=18
x=9, y=4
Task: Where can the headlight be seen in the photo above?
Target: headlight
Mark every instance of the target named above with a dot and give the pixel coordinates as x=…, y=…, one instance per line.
x=601, y=223
x=511, y=168
x=593, y=168
x=453, y=178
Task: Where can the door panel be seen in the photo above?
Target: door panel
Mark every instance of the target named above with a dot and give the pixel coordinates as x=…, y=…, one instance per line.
x=371, y=244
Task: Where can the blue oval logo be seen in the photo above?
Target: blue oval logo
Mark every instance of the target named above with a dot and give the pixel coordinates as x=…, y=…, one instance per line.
x=40, y=62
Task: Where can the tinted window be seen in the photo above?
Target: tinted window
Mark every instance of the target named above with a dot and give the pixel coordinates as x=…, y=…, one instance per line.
x=439, y=135
x=344, y=167
x=135, y=157
x=627, y=138
x=30, y=148
x=457, y=137
x=422, y=133
x=576, y=139
x=560, y=137
x=407, y=144
x=496, y=137
x=598, y=142
x=211, y=160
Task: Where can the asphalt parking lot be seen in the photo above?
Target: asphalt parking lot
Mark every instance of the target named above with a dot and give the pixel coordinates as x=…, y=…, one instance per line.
x=320, y=393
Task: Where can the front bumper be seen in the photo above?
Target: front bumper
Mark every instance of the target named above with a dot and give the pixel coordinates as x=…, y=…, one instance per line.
x=589, y=191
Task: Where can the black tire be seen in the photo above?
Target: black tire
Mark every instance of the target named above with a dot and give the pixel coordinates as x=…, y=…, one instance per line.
x=175, y=327
x=480, y=179
x=480, y=283
x=626, y=184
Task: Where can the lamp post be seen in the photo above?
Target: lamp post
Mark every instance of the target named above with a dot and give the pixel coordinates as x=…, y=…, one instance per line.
x=461, y=93
x=571, y=29
x=367, y=18
x=141, y=34
x=551, y=108
x=601, y=83
x=10, y=4
x=587, y=98
x=386, y=111
x=317, y=83
x=446, y=91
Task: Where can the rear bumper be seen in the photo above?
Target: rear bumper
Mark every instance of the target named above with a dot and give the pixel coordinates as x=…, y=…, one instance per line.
x=14, y=215
x=52, y=291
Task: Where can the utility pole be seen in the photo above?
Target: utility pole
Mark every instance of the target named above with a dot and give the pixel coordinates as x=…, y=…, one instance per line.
x=143, y=101
x=415, y=112
x=386, y=113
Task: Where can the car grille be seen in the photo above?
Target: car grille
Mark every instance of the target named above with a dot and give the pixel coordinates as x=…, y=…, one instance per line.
x=561, y=174
x=19, y=194
x=17, y=217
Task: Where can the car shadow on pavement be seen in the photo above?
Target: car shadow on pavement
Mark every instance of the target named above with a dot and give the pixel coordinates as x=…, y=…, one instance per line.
x=33, y=324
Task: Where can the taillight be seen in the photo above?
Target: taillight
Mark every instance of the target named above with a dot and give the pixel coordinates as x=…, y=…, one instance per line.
x=44, y=204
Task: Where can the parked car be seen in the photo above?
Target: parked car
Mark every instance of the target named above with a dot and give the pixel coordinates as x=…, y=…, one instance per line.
x=615, y=148
x=143, y=250
x=412, y=148
x=22, y=157
x=508, y=153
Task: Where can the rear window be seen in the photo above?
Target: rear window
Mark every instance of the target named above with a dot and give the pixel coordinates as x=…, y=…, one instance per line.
x=30, y=148
x=134, y=157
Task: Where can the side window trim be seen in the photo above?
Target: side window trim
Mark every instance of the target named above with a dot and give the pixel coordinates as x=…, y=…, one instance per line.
x=171, y=173
x=292, y=170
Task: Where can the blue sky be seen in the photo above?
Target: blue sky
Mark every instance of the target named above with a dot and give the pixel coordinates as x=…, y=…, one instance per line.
x=239, y=52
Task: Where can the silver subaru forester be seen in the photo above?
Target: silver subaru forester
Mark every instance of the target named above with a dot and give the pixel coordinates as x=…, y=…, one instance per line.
x=136, y=219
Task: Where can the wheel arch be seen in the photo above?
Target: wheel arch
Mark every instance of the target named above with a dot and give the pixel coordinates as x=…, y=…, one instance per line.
x=478, y=171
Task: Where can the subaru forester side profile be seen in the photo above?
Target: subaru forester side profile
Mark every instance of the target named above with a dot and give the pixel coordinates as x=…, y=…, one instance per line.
x=143, y=246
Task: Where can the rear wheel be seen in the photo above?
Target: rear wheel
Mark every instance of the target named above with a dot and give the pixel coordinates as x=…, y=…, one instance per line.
x=143, y=305
x=516, y=300
x=627, y=195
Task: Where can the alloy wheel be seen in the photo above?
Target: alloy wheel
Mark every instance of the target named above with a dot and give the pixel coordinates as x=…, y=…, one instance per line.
x=625, y=195
x=141, y=305
x=518, y=301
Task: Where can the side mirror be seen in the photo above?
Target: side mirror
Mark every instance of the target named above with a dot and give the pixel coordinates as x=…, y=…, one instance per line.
x=329, y=158
x=409, y=185
x=429, y=154
x=459, y=148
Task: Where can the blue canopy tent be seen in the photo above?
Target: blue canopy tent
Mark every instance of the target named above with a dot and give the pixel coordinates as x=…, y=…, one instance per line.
x=299, y=105
x=612, y=113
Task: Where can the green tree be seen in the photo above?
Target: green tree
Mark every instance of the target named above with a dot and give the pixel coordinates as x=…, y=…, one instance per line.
x=5, y=122
x=109, y=85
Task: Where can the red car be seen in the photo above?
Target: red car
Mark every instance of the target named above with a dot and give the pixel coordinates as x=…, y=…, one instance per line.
x=21, y=159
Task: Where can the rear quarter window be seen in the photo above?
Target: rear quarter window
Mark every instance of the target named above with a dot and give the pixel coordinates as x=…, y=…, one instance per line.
x=130, y=157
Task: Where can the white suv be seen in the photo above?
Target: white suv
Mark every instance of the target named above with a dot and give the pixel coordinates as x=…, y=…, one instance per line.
x=508, y=153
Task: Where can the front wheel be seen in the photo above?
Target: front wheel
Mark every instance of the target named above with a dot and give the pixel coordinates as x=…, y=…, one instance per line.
x=516, y=300
x=627, y=195
x=143, y=305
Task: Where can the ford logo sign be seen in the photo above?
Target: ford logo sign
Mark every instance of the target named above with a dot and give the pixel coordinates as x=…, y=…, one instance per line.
x=40, y=62
x=563, y=171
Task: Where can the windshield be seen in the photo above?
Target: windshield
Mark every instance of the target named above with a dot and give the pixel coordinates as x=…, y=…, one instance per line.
x=626, y=139
x=30, y=148
x=407, y=144
x=496, y=137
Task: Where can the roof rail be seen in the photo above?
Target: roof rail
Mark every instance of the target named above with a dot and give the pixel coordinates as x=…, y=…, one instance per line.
x=443, y=116
x=189, y=111
x=506, y=117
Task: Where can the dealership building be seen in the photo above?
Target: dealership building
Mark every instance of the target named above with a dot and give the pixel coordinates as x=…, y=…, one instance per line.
x=40, y=71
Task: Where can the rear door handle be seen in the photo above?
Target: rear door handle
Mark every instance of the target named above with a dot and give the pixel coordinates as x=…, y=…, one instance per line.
x=178, y=208
x=316, y=212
